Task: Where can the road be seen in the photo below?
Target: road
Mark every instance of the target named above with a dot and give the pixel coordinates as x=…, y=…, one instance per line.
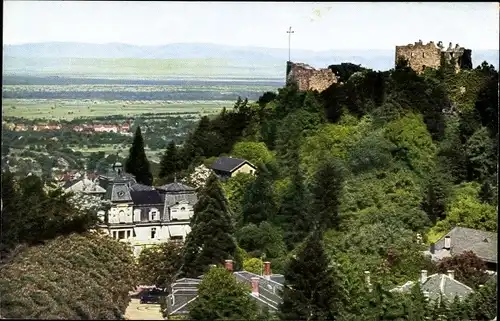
x=137, y=311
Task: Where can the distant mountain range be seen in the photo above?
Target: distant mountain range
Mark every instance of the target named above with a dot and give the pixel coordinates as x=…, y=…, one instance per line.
x=375, y=59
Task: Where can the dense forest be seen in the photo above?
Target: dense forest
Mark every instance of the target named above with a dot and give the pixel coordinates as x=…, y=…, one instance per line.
x=365, y=166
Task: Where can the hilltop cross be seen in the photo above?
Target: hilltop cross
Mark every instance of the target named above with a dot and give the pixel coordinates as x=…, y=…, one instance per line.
x=289, y=31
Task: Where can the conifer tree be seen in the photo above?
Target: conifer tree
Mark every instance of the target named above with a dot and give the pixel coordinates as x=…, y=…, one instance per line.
x=211, y=238
x=327, y=190
x=436, y=193
x=258, y=200
x=294, y=214
x=137, y=163
x=312, y=290
x=170, y=161
x=486, y=194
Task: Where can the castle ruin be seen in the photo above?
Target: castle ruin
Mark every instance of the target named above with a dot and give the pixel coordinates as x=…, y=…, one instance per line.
x=309, y=78
x=421, y=56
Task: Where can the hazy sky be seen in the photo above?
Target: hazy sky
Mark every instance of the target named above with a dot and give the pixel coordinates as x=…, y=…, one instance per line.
x=320, y=26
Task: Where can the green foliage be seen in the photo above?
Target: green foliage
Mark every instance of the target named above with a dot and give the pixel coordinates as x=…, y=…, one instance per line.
x=50, y=213
x=312, y=289
x=235, y=188
x=158, y=264
x=466, y=210
x=259, y=199
x=345, y=70
x=78, y=277
x=481, y=157
x=414, y=146
x=222, y=297
x=254, y=265
x=170, y=162
x=329, y=141
x=436, y=195
x=137, y=163
x=210, y=240
x=327, y=192
x=390, y=253
x=254, y=152
x=262, y=240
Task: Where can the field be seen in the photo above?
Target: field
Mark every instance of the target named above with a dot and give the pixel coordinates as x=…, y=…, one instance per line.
x=120, y=150
x=70, y=109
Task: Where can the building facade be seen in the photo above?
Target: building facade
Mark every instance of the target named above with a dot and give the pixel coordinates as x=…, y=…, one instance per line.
x=143, y=215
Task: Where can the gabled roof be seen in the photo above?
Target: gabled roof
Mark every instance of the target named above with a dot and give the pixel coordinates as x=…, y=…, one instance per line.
x=438, y=284
x=269, y=291
x=145, y=197
x=228, y=164
x=482, y=243
x=176, y=187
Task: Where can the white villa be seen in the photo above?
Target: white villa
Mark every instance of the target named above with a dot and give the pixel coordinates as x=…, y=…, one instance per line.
x=144, y=215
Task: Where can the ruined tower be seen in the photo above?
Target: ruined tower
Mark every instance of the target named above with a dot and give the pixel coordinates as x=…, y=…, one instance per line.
x=309, y=78
x=421, y=56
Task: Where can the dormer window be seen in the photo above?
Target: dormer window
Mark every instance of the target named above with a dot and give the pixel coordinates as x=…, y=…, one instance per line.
x=154, y=214
x=183, y=208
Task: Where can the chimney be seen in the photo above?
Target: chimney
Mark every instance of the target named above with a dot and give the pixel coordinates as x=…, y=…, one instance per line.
x=433, y=248
x=451, y=274
x=367, y=280
x=267, y=270
x=447, y=242
x=255, y=286
x=423, y=276
x=229, y=265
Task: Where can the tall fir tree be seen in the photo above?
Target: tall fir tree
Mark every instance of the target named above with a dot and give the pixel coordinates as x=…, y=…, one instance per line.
x=211, y=238
x=170, y=162
x=326, y=193
x=137, y=163
x=258, y=201
x=294, y=213
x=435, y=197
x=312, y=289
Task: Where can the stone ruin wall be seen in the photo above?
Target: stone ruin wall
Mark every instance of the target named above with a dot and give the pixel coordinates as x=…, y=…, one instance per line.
x=309, y=78
x=420, y=56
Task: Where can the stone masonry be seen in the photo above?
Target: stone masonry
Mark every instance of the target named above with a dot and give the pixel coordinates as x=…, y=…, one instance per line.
x=420, y=56
x=309, y=78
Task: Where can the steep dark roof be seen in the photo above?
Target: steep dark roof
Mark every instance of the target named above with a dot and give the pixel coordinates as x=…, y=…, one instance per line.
x=141, y=187
x=176, y=187
x=482, y=243
x=145, y=197
x=228, y=164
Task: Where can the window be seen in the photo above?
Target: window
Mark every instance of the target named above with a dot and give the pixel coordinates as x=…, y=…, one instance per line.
x=114, y=234
x=177, y=238
x=153, y=232
x=153, y=216
x=133, y=233
x=183, y=208
x=121, y=235
x=423, y=54
x=121, y=215
x=128, y=234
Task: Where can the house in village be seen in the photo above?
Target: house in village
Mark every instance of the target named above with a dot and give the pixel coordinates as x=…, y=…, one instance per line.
x=86, y=184
x=437, y=286
x=144, y=215
x=461, y=239
x=225, y=167
x=266, y=289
